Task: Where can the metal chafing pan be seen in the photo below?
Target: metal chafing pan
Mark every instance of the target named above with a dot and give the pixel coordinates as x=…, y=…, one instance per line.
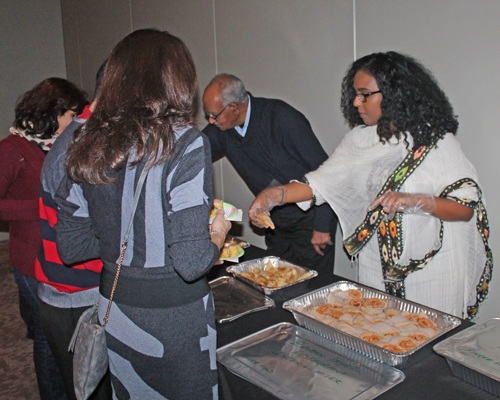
x=444, y=322
x=474, y=355
x=233, y=299
x=282, y=292
x=293, y=363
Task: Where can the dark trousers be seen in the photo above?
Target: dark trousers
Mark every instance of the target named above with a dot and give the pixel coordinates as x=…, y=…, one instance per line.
x=58, y=325
x=49, y=379
x=291, y=240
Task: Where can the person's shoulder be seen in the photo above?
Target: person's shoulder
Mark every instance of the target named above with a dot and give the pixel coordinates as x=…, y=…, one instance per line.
x=64, y=139
x=448, y=142
x=188, y=135
x=12, y=143
x=277, y=109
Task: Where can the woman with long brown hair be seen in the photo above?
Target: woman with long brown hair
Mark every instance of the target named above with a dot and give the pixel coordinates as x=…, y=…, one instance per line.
x=41, y=114
x=161, y=331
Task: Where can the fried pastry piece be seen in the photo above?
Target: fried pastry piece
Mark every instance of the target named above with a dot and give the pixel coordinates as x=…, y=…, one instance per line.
x=229, y=251
x=336, y=301
x=266, y=221
x=375, y=302
x=417, y=336
x=356, y=303
x=335, y=313
x=384, y=328
x=352, y=310
x=371, y=337
x=424, y=322
x=393, y=347
x=391, y=313
x=218, y=205
x=324, y=308
x=403, y=341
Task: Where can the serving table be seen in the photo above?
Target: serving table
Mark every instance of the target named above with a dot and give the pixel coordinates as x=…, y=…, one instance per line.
x=429, y=378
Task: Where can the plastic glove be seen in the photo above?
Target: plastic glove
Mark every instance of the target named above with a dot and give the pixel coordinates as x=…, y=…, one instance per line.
x=261, y=207
x=407, y=203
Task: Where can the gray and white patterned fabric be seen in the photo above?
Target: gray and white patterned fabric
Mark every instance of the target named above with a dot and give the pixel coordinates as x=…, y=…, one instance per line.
x=161, y=333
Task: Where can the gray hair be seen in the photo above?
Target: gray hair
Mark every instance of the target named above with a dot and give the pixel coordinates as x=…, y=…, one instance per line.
x=231, y=88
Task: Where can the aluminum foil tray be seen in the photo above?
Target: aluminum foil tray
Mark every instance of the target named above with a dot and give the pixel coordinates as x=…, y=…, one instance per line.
x=474, y=355
x=293, y=363
x=289, y=290
x=234, y=299
x=444, y=322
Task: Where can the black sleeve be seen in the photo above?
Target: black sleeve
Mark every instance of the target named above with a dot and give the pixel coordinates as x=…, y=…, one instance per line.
x=214, y=135
x=307, y=150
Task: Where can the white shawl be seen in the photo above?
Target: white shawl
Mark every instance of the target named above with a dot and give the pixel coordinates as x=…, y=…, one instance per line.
x=351, y=178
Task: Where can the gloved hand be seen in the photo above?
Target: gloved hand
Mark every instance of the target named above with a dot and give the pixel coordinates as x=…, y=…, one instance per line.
x=261, y=207
x=407, y=203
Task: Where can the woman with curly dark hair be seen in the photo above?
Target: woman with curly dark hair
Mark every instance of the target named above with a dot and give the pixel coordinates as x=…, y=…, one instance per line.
x=403, y=190
x=161, y=334
x=40, y=115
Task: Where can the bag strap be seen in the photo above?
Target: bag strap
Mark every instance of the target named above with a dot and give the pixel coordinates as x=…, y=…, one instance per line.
x=138, y=191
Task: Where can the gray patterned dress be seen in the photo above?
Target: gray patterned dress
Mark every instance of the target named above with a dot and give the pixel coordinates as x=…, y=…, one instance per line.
x=161, y=334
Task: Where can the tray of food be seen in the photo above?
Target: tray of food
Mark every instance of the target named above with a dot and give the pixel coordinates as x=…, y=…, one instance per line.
x=233, y=299
x=474, y=355
x=293, y=363
x=272, y=275
x=386, y=328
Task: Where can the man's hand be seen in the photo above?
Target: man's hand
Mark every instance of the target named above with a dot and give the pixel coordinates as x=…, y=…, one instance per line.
x=320, y=240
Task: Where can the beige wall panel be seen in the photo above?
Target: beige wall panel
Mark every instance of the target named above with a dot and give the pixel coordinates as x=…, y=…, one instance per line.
x=293, y=50
x=31, y=50
x=93, y=28
x=455, y=40
x=192, y=21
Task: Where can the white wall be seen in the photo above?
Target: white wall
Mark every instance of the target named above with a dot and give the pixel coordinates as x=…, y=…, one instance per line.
x=298, y=51
x=31, y=49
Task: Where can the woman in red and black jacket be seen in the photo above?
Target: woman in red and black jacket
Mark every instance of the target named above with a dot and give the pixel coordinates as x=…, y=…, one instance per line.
x=40, y=116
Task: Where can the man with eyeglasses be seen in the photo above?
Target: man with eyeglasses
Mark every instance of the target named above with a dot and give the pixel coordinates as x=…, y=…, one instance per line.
x=269, y=142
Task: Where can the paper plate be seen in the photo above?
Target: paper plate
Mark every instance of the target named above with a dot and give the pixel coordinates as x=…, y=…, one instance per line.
x=231, y=213
x=235, y=259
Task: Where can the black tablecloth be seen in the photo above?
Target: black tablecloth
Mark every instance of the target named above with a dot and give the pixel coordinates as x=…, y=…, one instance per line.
x=430, y=378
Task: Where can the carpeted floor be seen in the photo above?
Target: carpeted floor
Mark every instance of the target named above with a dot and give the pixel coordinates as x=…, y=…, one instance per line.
x=17, y=373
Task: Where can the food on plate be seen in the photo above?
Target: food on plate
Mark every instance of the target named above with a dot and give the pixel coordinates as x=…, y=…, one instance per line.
x=229, y=250
x=369, y=319
x=218, y=205
x=275, y=277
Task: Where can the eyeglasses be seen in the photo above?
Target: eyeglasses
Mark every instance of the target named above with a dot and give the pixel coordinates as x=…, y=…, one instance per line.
x=214, y=117
x=362, y=97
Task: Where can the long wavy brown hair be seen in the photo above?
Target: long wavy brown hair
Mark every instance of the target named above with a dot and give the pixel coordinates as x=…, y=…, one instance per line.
x=149, y=89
